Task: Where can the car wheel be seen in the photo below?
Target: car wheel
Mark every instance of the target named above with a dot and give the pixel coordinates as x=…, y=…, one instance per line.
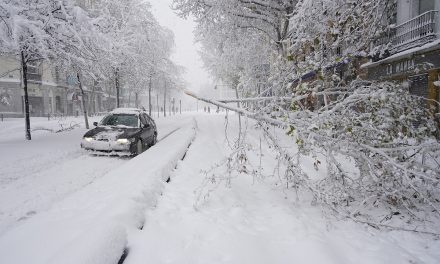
x=139, y=147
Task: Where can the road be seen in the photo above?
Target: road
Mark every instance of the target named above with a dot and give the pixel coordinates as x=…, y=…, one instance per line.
x=35, y=174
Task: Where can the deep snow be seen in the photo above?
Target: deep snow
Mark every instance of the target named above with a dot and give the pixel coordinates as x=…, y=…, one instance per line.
x=88, y=225
x=254, y=221
x=58, y=204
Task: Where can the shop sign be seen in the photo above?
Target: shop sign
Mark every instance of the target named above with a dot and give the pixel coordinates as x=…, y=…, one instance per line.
x=401, y=67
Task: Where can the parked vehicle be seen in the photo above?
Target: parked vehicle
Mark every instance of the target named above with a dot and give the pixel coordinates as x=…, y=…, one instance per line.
x=124, y=131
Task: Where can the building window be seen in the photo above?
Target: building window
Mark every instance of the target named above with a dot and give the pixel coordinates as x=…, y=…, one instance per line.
x=426, y=5
x=58, y=104
x=33, y=68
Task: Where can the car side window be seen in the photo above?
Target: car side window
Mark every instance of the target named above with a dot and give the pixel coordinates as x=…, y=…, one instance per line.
x=143, y=120
x=151, y=122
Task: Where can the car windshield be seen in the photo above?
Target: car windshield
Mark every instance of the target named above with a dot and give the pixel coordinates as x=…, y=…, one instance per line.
x=120, y=119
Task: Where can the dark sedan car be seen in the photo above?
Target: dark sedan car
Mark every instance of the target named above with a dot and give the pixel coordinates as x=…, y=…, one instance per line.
x=124, y=131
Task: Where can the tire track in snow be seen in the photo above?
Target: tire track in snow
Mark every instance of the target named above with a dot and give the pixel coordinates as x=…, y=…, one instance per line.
x=169, y=134
x=126, y=250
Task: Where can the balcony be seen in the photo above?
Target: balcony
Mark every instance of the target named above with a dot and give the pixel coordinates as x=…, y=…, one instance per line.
x=412, y=33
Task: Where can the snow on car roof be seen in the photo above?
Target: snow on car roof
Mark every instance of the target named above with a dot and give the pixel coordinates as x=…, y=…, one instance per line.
x=132, y=111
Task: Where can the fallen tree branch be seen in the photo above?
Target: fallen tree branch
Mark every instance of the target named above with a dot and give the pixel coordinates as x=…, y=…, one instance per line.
x=238, y=110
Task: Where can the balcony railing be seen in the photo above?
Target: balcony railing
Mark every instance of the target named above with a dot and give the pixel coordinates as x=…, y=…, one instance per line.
x=417, y=30
x=412, y=33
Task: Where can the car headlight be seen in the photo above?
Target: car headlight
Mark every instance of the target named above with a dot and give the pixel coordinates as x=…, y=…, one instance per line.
x=88, y=139
x=123, y=141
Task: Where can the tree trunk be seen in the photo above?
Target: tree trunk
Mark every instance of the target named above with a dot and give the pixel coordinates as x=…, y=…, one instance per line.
x=165, y=100
x=84, y=105
x=92, y=106
x=117, y=87
x=136, y=100
x=149, y=97
x=26, y=97
x=157, y=103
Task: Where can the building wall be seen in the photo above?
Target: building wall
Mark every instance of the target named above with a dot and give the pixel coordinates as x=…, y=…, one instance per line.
x=407, y=9
x=10, y=85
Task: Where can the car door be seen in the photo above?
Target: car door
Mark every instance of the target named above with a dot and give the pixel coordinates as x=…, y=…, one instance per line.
x=144, y=129
x=147, y=129
x=153, y=129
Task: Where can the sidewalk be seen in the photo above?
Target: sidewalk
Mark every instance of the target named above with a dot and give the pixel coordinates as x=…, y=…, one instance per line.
x=254, y=222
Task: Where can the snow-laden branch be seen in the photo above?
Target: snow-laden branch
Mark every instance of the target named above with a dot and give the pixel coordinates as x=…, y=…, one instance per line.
x=372, y=127
x=238, y=110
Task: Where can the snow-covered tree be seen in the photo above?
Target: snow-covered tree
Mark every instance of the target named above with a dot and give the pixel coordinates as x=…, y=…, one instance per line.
x=268, y=17
x=36, y=30
x=377, y=128
x=139, y=46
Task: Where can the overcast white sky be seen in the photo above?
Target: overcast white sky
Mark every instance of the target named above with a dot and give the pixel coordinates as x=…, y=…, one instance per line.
x=185, y=51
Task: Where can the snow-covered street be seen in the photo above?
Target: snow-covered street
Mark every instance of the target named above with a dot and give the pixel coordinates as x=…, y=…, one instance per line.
x=35, y=174
x=63, y=205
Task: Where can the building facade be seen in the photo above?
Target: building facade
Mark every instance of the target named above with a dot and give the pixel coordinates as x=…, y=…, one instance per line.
x=410, y=49
x=50, y=92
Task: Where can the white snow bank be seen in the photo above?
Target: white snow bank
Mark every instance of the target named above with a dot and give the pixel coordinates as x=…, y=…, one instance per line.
x=89, y=226
x=101, y=245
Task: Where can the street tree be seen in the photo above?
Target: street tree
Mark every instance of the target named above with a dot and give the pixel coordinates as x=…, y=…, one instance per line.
x=337, y=120
x=37, y=30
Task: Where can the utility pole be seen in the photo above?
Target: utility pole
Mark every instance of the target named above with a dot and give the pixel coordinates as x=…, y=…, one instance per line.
x=180, y=106
x=157, y=104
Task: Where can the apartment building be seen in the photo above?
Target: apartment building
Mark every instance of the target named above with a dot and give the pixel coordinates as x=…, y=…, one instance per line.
x=50, y=91
x=410, y=48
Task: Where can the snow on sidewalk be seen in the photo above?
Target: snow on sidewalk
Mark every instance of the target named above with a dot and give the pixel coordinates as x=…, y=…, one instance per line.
x=255, y=222
x=90, y=225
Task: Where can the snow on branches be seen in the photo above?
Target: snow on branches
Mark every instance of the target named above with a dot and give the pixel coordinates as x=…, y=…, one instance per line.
x=373, y=144
x=377, y=144
x=386, y=133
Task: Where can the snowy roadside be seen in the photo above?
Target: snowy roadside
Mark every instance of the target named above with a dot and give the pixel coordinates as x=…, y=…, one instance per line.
x=82, y=204
x=252, y=220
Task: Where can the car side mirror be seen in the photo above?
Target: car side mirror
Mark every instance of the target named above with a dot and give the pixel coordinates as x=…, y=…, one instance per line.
x=95, y=123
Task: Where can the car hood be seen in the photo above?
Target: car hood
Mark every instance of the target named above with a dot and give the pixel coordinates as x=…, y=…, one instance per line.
x=112, y=133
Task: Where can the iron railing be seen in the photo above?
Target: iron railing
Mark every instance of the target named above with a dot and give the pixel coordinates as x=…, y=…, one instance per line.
x=412, y=33
x=416, y=31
